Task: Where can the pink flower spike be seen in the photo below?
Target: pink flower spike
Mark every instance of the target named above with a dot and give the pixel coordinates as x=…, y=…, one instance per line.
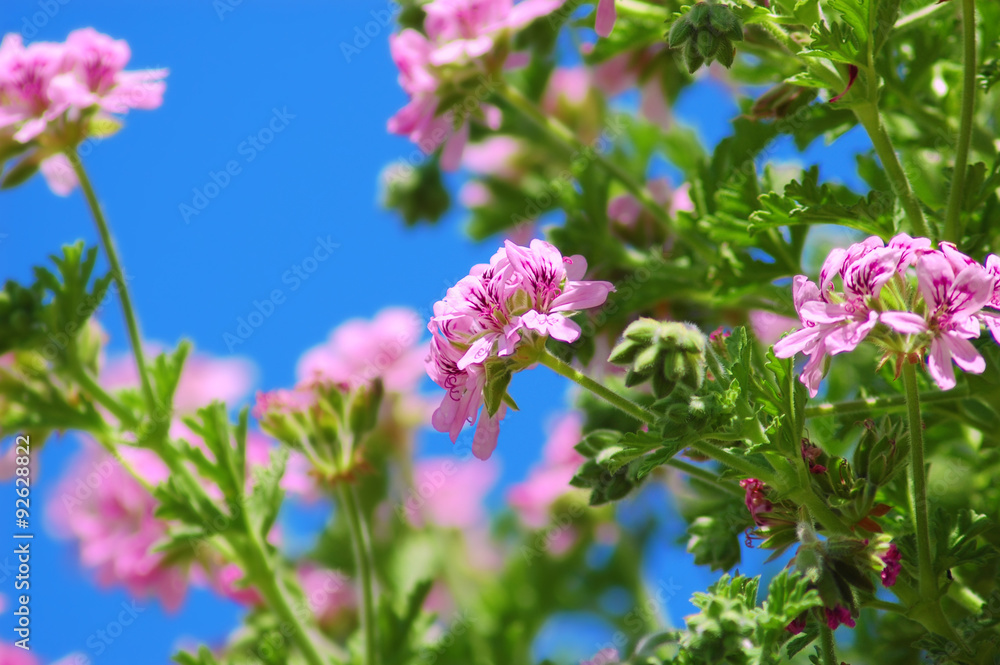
x=604, y=21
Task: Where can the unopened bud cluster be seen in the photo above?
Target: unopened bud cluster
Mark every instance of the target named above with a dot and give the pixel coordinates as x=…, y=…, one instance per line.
x=707, y=32
x=670, y=354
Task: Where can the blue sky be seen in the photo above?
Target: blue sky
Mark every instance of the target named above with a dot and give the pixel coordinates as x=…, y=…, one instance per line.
x=284, y=137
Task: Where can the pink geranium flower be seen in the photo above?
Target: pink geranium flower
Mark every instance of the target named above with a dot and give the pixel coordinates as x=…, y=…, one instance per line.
x=449, y=493
x=359, y=350
x=458, y=35
x=111, y=516
x=953, y=304
x=533, y=498
x=893, y=567
x=46, y=82
x=524, y=293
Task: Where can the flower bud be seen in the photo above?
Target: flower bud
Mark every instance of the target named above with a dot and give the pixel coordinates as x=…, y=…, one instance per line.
x=670, y=353
x=707, y=33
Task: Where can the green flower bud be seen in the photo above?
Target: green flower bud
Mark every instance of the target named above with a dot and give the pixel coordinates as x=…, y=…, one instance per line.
x=671, y=354
x=724, y=22
x=692, y=58
x=707, y=44
x=680, y=32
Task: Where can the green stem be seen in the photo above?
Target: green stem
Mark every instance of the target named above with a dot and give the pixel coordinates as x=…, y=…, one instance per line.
x=953, y=219
x=269, y=583
x=119, y=276
x=870, y=118
x=101, y=396
x=821, y=512
x=885, y=605
x=927, y=580
x=366, y=570
x=705, y=476
x=623, y=403
x=882, y=404
x=741, y=464
x=916, y=18
x=827, y=645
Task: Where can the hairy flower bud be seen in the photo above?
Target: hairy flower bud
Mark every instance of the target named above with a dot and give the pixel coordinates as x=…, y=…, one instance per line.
x=707, y=33
x=670, y=353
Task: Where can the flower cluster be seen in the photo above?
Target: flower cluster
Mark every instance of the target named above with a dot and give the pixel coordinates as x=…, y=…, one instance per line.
x=756, y=501
x=938, y=316
x=447, y=70
x=892, y=568
x=522, y=296
x=47, y=88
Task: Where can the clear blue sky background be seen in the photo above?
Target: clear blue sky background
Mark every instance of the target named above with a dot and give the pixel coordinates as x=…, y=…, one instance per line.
x=316, y=178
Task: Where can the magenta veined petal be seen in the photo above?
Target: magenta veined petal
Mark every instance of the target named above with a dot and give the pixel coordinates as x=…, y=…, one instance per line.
x=801, y=341
x=582, y=295
x=907, y=323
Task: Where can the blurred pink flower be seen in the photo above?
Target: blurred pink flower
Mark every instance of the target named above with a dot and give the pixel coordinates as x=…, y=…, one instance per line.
x=225, y=579
x=496, y=156
x=111, y=515
x=27, y=98
x=637, y=68
x=360, y=350
x=607, y=656
x=567, y=85
x=95, y=63
x=329, y=593
x=458, y=34
x=449, y=493
x=204, y=379
x=768, y=327
x=605, y=17
x=59, y=174
x=626, y=209
x=13, y=655
x=549, y=480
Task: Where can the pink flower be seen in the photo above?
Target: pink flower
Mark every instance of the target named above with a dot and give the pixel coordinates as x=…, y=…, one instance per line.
x=459, y=35
x=756, y=501
x=226, y=580
x=96, y=77
x=837, y=616
x=605, y=17
x=203, y=380
x=836, y=322
x=892, y=568
x=798, y=624
x=523, y=294
x=567, y=86
x=358, y=351
x=59, y=174
x=953, y=300
x=111, y=515
x=26, y=94
x=328, y=593
x=448, y=493
x=768, y=327
x=637, y=68
x=607, y=656
x=533, y=498
x=14, y=655
x=40, y=82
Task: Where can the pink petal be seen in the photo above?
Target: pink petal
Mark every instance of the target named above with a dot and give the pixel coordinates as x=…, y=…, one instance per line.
x=939, y=365
x=451, y=155
x=604, y=22
x=964, y=354
x=907, y=323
